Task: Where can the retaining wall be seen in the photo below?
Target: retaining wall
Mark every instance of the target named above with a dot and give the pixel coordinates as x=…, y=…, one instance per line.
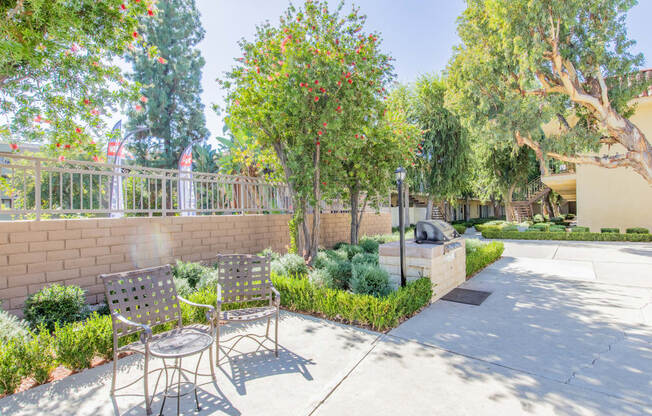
x=75, y=251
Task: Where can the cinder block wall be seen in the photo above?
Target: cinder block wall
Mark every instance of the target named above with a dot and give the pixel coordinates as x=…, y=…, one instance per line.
x=75, y=251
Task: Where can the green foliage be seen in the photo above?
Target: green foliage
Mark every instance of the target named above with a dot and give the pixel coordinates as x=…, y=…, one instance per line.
x=637, y=230
x=55, y=304
x=12, y=327
x=577, y=236
x=540, y=226
x=293, y=226
x=11, y=368
x=570, y=216
x=350, y=250
x=369, y=279
x=365, y=258
x=460, y=228
x=339, y=273
x=610, y=230
x=378, y=313
x=173, y=111
x=98, y=330
x=210, y=278
x=555, y=229
x=297, y=91
x=182, y=286
x=557, y=220
x=73, y=346
x=538, y=218
x=319, y=277
x=189, y=271
x=479, y=255
x=522, y=63
x=442, y=164
x=290, y=265
x=509, y=227
x=59, y=69
x=37, y=356
x=369, y=245
x=580, y=229
x=268, y=252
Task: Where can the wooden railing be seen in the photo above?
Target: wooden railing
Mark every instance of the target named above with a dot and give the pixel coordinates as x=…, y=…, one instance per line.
x=530, y=191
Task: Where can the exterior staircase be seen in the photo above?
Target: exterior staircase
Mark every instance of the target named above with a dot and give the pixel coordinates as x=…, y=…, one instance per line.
x=523, y=199
x=436, y=213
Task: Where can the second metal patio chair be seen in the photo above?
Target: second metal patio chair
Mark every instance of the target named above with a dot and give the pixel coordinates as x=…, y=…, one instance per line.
x=141, y=299
x=245, y=278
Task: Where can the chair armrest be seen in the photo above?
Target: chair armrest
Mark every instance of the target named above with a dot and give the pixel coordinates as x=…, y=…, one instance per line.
x=147, y=331
x=277, y=295
x=210, y=313
x=219, y=296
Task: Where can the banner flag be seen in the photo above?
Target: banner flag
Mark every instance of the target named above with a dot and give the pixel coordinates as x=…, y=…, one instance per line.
x=115, y=155
x=187, y=198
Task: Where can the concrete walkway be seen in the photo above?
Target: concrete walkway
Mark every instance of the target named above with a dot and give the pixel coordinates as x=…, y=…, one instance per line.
x=567, y=330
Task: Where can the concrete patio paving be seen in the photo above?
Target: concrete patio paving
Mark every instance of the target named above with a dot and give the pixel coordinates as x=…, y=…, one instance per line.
x=567, y=330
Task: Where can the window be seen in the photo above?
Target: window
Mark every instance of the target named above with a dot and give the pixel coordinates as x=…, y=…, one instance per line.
x=6, y=203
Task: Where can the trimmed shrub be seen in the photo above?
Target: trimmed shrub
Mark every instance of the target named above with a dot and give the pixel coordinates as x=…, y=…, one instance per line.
x=189, y=271
x=98, y=329
x=510, y=227
x=368, y=279
x=557, y=228
x=350, y=250
x=74, y=348
x=580, y=229
x=37, y=356
x=268, y=252
x=209, y=279
x=378, y=313
x=11, y=369
x=319, y=277
x=55, y=304
x=339, y=245
x=541, y=226
x=291, y=265
x=637, y=230
x=610, y=230
x=12, y=328
x=339, y=274
x=183, y=286
x=365, y=258
x=557, y=220
x=576, y=236
x=369, y=245
x=321, y=259
x=460, y=228
x=479, y=256
x=570, y=216
x=538, y=218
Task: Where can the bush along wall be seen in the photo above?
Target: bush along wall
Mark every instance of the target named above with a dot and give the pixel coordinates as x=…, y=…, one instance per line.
x=480, y=256
x=574, y=236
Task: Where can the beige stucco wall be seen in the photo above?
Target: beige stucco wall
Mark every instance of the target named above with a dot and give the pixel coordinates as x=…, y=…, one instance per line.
x=34, y=254
x=616, y=197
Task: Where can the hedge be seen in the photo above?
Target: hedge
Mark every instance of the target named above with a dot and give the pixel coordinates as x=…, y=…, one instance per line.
x=460, y=228
x=477, y=258
x=610, y=230
x=576, y=236
x=637, y=230
x=378, y=313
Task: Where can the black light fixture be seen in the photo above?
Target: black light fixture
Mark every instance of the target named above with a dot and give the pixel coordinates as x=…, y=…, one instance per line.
x=400, y=177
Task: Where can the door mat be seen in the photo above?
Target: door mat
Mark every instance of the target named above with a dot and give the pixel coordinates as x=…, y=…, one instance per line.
x=466, y=296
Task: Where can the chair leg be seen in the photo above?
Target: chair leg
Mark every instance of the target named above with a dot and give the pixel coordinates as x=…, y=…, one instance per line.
x=217, y=344
x=210, y=355
x=276, y=335
x=267, y=330
x=115, y=372
x=147, y=406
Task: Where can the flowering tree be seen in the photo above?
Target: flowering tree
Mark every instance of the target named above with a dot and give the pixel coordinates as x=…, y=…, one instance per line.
x=58, y=78
x=310, y=88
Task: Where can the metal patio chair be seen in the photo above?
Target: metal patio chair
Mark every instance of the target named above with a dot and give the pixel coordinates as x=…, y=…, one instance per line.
x=141, y=299
x=245, y=278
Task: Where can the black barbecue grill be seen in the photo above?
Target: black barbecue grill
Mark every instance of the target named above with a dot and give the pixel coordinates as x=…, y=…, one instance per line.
x=434, y=232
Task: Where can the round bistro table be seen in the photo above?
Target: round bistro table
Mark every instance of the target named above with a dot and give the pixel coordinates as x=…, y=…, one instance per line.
x=177, y=345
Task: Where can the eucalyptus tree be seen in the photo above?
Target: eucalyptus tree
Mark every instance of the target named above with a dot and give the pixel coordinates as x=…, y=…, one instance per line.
x=524, y=63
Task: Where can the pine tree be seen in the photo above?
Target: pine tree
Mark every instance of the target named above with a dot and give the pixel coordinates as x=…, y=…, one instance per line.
x=171, y=105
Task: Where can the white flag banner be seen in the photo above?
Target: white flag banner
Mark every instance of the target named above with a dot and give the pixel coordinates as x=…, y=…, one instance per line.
x=187, y=198
x=115, y=154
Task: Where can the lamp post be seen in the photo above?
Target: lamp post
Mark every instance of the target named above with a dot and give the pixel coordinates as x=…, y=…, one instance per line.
x=400, y=177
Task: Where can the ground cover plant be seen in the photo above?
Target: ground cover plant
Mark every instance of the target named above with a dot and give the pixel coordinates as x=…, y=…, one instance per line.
x=479, y=255
x=573, y=236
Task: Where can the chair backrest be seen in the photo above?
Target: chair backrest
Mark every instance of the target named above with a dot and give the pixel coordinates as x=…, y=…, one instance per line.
x=243, y=277
x=146, y=296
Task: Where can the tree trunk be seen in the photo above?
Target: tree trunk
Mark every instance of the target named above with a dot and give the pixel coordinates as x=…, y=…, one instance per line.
x=429, y=208
x=356, y=213
x=507, y=197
